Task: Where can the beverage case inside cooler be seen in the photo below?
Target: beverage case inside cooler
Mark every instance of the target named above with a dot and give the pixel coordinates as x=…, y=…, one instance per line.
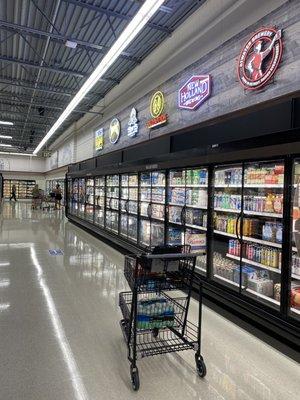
x=233, y=213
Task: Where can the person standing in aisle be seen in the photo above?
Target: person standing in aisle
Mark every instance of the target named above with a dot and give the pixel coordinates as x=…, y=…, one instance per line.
x=13, y=193
x=58, y=196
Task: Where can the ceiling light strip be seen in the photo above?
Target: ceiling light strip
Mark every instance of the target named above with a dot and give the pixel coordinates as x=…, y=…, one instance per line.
x=147, y=10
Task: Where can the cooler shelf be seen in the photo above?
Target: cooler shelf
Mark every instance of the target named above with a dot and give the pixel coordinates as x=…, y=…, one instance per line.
x=256, y=264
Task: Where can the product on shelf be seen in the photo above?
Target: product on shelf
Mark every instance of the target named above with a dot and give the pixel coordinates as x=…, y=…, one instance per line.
x=296, y=265
x=227, y=201
x=155, y=313
x=271, y=203
x=196, y=177
x=196, y=197
x=277, y=291
x=231, y=176
x=196, y=240
x=223, y=267
x=262, y=286
x=272, y=232
x=175, y=236
x=264, y=175
x=295, y=295
x=267, y=256
x=177, y=196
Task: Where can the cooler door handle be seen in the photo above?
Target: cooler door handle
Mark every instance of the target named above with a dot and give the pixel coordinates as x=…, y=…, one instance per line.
x=182, y=215
x=237, y=228
x=149, y=211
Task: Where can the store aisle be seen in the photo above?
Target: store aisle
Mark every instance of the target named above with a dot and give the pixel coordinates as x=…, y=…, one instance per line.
x=60, y=335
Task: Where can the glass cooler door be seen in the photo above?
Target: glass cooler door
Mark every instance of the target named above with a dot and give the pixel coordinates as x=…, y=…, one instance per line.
x=152, y=209
x=132, y=207
x=187, y=210
x=75, y=197
x=89, y=200
x=262, y=223
x=81, y=195
x=99, y=201
x=227, y=213
x=112, y=203
x=294, y=291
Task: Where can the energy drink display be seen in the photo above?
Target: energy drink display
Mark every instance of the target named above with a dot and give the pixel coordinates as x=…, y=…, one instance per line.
x=99, y=201
x=152, y=192
x=187, y=208
x=112, y=203
x=129, y=206
x=248, y=211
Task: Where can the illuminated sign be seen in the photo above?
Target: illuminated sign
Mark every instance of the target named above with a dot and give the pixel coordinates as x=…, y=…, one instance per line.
x=114, y=131
x=194, y=92
x=99, y=139
x=157, y=105
x=133, y=127
x=259, y=58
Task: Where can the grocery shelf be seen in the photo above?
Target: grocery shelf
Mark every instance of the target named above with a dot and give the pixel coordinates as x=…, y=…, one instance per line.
x=294, y=248
x=264, y=185
x=296, y=276
x=157, y=202
x=188, y=186
x=249, y=239
x=229, y=210
x=263, y=296
x=203, y=228
x=225, y=233
x=256, y=264
x=228, y=185
x=176, y=204
x=295, y=310
x=262, y=214
x=260, y=241
x=226, y=280
x=195, y=206
x=200, y=268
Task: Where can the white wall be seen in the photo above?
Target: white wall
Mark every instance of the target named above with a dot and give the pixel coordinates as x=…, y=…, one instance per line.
x=21, y=163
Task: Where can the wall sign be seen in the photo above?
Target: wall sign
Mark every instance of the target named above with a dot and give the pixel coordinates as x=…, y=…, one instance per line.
x=194, y=92
x=133, y=127
x=114, y=130
x=157, y=105
x=259, y=58
x=99, y=139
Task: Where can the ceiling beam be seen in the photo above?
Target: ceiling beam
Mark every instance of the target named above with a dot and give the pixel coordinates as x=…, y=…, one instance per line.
x=59, y=107
x=37, y=33
x=27, y=85
x=115, y=14
x=19, y=61
x=19, y=113
x=65, y=71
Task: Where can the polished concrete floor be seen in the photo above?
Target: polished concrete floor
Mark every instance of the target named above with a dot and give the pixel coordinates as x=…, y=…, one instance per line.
x=59, y=327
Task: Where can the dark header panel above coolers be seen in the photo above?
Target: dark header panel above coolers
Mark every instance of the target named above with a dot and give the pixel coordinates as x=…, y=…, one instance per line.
x=257, y=123
x=269, y=126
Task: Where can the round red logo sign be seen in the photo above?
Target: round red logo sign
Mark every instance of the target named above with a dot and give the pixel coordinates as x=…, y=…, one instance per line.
x=259, y=58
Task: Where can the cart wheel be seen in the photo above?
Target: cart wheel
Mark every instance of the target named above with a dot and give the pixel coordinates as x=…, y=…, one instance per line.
x=135, y=380
x=200, y=365
x=155, y=332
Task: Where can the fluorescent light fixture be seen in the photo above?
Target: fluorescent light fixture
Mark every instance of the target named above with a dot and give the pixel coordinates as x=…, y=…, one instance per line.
x=147, y=10
x=5, y=145
x=5, y=137
x=6, y=123
x=17, y=154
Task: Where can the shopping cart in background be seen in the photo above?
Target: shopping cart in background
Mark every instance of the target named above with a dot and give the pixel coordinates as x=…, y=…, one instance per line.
x=155, y=311
x=48, y=202
x=37, y=201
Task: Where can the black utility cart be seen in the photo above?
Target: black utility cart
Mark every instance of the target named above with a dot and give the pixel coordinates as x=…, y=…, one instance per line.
x=155, y=311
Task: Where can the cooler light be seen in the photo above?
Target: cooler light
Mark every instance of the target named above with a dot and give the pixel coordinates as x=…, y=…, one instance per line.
x=147, y=10
x=5, y=137
x=6, y=123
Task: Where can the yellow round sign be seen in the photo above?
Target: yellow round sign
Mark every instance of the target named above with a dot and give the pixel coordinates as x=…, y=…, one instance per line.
x=114, y=131
x=157, y=104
